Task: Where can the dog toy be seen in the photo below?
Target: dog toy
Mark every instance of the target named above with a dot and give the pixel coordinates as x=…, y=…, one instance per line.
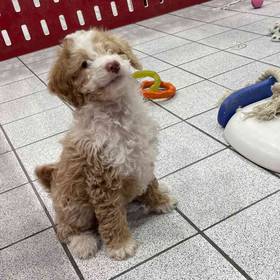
x=253, y=131
x=275, y=33
x=244, y=97
x=257, y=3
x=156, y=89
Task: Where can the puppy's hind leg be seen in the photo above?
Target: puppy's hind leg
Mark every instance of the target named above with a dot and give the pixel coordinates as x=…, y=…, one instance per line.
x=157, y=198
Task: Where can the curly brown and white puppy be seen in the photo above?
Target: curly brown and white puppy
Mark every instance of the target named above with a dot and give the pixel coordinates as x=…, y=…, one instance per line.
x=109, y=153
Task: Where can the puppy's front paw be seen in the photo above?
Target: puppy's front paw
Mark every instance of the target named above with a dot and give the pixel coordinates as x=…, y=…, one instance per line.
x=126, y=250
x=83, y=246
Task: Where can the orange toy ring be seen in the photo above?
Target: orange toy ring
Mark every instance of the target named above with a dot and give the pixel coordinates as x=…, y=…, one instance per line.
x=167, y=92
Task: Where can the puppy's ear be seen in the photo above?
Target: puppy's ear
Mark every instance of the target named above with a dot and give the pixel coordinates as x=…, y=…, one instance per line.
x=126, y=49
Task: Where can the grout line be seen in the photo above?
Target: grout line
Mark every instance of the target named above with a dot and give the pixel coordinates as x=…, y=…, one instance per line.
x=193, y=163
x=154, y=256
x=255, y=164
x=243, y=209
x=41, y=80
x=218, y=49
x=19, y=80
x=34, y=114
x=201, y=113
x=202, y=131
x=6, y=152
x=41, y=139
x=21, y=97
x=26, y=237
x=66, y=250
x=215, y=246
x=13, y=188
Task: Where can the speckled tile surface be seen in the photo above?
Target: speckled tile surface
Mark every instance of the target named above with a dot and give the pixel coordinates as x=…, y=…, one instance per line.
x=206, y=51
x=180, y=145
x=20, y=215
x=44, y=151
x=28, y=105
x=33, y=128
x=219, y=186
x=208, y=123
x=153, y=234
x=11, y=174
x=39, y=257
x=194, y=259
x=194, y=99
x=252, y=239
x=215, y=64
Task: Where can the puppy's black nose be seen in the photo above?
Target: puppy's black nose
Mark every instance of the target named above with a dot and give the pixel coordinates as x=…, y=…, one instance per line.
x=113, y=67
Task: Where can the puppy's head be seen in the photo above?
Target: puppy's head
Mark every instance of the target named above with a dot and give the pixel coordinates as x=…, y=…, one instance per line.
x=90, y=64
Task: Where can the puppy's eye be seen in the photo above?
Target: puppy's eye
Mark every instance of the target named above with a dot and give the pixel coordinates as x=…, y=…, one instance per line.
x=84, y=64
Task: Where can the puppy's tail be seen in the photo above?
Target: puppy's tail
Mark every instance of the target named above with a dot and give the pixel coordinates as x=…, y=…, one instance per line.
x=44, y=173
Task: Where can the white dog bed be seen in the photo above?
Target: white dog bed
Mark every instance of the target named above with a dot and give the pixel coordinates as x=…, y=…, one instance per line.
x=259, y=141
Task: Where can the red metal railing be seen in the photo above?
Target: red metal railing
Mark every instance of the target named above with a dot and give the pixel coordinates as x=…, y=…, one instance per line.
x=30, y=25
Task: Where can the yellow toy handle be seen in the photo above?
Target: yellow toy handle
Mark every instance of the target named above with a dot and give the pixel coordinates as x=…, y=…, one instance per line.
x=148, y=73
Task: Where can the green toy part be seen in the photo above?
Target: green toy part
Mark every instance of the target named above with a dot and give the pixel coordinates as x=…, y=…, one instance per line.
x=148, y=73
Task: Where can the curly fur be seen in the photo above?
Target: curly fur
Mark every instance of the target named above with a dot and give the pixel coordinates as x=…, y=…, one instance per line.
x=109, y=152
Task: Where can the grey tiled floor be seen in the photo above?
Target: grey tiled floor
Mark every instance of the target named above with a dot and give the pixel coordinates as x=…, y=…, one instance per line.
x=226, y=225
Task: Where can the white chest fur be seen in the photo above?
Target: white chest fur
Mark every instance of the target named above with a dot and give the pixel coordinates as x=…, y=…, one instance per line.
x=125, y=135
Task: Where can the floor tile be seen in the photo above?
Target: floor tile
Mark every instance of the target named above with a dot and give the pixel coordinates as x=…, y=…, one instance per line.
x=39, y=55
x=45, y=151
x=136, y=34
x=139, y=54
x=203, y=13
x=161, y=116
x=215, y=64
x=45, y=198
x=239, y=20
x=20, y=88
x=219, y=186
x=194, y=259
x=273, y=59
x=268, y=10
x=258, y=48
x=154, y=64
x=246, y=6
x=202, y=31
x=11, y=174
x=252, y=239
x=229, y=39
x=241, y=76
x=42, y=66
x=39, y=257
x=261, y=27
x=194, y=99
x=169, y=23
x=217, y=3
x=21, y=215
x=44, y=77
x=39, y=126
x=153, y=233
x=14, y=75
x=179, y=78
x=185, y=53
x=180, y=145
x=10, y=64
x=4, y=145
x=208, y=123
x=161, y=44
x=28, y=105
